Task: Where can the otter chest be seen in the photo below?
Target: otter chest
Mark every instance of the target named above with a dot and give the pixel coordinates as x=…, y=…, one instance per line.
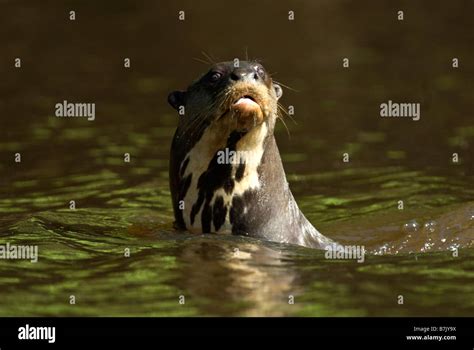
x=215, y=177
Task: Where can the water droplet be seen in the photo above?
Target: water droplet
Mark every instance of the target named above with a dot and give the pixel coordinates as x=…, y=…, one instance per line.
x=427, y=246
x=411, y=226
x=383, y=249
x=430, y=226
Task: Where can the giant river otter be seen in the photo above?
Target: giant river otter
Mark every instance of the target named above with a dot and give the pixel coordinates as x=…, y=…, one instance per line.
x=226, y=174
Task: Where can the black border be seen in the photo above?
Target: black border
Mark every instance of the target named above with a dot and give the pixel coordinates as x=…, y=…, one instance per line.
x=117, y=331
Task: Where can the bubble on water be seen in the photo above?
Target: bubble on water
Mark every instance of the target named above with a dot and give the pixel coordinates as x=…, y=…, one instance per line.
x=443, y=240
x=430, y=226
x=454, y=246
x=427, y=246
x=411, y=226
x=383, y=249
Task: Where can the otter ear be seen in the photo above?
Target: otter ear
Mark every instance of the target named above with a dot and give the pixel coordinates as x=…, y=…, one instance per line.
x=278, y=91
x=177, y=98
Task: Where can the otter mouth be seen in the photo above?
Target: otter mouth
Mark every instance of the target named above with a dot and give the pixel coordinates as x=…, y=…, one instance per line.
x=245, y=106
x=247, y=100
x=246, y=111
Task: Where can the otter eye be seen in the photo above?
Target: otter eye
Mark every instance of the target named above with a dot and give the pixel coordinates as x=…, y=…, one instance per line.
x=261, y=71
x=216, y=76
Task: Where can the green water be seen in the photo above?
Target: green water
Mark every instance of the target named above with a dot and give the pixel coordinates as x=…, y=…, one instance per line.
x=422, y=252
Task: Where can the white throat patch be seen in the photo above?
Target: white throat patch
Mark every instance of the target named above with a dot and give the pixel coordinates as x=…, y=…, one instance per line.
x=250, y=148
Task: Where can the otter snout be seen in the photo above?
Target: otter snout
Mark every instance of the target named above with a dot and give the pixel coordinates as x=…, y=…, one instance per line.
x=247, y=107
x=248, y=74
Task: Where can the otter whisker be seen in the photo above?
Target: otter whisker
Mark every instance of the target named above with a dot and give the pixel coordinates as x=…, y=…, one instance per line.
x=285, y=86
x=209, y=57
x=195, y=123
x=284, y=124
x=282, y=109
x=199, y=119
x=201, y=61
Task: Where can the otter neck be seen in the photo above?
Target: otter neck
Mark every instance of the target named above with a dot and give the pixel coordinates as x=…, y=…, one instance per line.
x=215, y=171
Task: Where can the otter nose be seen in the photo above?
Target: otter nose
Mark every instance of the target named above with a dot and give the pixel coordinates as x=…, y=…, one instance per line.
x=242, y=74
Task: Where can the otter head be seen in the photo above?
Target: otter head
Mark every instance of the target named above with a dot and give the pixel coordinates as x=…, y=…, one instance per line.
x=237, y=98
x=227, y=117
